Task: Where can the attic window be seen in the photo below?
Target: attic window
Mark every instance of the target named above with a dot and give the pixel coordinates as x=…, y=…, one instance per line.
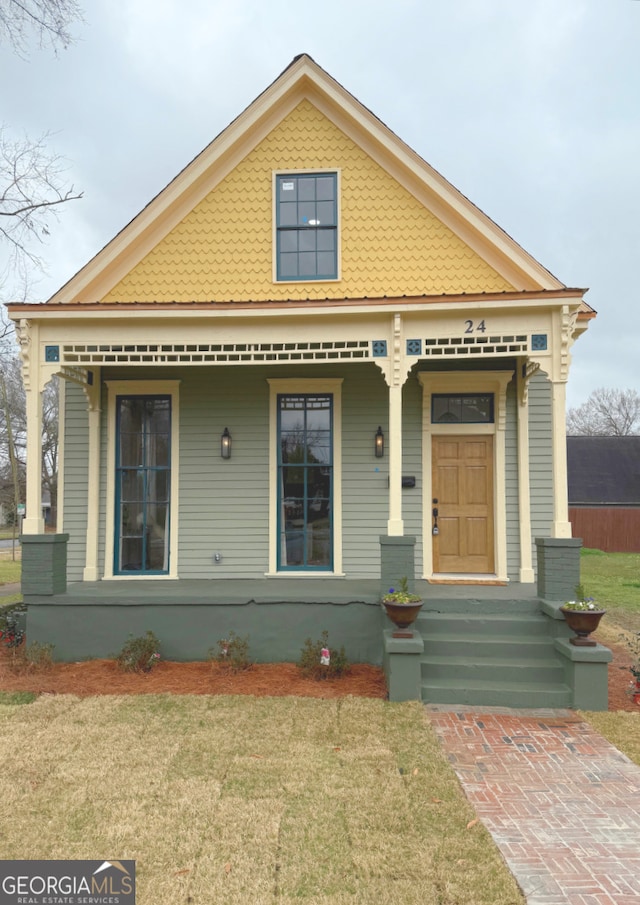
x=307, y=226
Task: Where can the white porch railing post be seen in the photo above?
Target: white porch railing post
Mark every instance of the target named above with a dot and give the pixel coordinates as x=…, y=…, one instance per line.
x=561, y=526
x=395, y=524
x=93, y=483
x=27, y=333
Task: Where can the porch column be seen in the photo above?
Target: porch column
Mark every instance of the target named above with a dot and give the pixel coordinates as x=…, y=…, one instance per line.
x=395, y=524
x=27, y=333
x=93, y=483
x=561, y=526
x=524, y=490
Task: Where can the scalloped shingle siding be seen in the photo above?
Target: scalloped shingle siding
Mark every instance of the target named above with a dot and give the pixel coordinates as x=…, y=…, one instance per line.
x=391, y=245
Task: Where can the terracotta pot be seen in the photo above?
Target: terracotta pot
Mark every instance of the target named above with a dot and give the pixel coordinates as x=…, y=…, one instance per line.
x=582, y=622
x=402, y=614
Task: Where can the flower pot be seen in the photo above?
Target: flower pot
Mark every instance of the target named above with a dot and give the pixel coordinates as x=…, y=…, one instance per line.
x=582, y=622
x=402, y=614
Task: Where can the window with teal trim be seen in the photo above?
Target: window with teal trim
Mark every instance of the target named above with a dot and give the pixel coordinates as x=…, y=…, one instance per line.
x=143, y=481
x=305, y=482
x=307, y=226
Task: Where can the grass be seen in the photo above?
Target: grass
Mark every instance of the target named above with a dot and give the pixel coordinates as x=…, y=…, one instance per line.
x=9, y=698
x=621, y=729
x=240, y=799
x=10, y=572
x=614, y=580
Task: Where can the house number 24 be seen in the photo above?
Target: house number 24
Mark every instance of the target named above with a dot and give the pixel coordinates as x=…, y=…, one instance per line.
x=473, y=327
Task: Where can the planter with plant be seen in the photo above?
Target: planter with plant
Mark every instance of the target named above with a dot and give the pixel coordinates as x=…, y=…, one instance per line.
x=583, y=616
x=402, y=607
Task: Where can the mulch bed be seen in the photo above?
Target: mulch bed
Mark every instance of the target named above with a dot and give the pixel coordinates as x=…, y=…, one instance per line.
x=94, y=677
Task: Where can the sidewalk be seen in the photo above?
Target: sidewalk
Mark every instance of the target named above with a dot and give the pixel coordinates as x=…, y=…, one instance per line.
x=562, y=804
x=8, y=590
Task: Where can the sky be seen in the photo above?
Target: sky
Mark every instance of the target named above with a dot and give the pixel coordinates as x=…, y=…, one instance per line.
x=531, y=109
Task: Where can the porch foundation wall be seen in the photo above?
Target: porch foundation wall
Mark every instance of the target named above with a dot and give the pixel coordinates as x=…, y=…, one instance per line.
x=397, y=560
x=586, y=674
x=276, y=631
x=44, y=563
x=402, y=666
x=558, y=567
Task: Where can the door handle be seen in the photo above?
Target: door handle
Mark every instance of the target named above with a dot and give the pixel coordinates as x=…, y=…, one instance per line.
x=435, y=530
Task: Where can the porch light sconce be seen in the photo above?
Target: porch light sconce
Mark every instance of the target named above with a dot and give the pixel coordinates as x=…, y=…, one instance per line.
x=225, y=444
x=379, y=443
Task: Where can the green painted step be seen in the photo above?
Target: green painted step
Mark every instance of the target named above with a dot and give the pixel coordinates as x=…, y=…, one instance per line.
x=454, y=645
x=486, y=624
x=504, y=669
x=500, y=655
x=496, y=693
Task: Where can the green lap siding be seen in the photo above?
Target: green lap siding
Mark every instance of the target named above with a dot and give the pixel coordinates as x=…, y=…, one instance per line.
x=76, y=473
x=224, y=504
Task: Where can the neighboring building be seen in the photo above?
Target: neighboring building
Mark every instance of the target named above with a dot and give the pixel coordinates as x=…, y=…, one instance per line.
x=303, y=357
x=604, y=492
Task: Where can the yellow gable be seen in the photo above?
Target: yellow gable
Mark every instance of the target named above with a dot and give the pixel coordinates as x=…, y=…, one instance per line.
x=390, y=243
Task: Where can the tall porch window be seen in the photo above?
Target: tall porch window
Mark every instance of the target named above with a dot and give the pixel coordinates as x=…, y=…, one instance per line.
x=305, y=481
x=143, y=485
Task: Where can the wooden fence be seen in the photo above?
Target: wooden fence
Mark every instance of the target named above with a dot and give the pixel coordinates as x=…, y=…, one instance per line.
x=614, y=530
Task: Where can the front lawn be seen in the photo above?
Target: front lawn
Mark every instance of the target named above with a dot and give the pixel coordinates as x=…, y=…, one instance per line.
x=10, y=570
x=614, y=580
x=621, y=729
x=247, y=800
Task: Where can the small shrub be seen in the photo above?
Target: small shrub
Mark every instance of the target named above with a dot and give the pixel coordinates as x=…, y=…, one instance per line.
x=232, y=653
x=311, y=657
x=11, y=624
x=30, y=658
x=632, y=643
x=139, y=654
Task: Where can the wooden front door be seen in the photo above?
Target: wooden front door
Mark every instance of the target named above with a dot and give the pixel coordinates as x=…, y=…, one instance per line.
x=462, y=483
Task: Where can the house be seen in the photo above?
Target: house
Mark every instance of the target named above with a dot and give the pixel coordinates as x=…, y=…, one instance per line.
x=309, y=367
x=604, y=492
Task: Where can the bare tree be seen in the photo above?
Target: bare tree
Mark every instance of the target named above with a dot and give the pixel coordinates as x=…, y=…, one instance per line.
x=49, y=20
x=31, y=190
x=50, y=411
x=606, y=413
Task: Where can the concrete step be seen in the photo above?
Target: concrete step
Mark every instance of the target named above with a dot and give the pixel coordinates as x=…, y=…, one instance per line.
x=476, y=607
x=525, y=647
x=487, y=625
x=496, y=694
x=501, y=656
x=481, y=668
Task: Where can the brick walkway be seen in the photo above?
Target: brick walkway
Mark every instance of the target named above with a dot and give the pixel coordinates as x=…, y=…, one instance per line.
x=562, y=804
